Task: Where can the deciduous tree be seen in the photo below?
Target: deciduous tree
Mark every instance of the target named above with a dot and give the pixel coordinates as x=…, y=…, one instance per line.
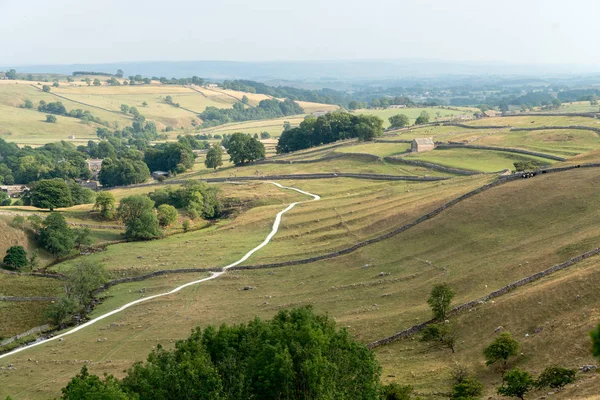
x=516, y=383
x=440, y=299
x=15, y=258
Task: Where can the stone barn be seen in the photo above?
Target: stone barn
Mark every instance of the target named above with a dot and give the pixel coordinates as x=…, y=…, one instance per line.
x=420, y=145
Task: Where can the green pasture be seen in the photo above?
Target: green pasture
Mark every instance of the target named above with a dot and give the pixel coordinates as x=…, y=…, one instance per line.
x=474, y=160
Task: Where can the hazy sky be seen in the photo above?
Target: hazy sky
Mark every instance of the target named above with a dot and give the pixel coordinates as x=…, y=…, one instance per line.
x=84, y=31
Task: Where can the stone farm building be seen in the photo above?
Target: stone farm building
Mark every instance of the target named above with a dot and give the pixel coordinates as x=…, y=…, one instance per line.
x=160, y=174
x=489, y=114
x=94, y=165
x=14, y=191
x=397, y=106
x=420, y=145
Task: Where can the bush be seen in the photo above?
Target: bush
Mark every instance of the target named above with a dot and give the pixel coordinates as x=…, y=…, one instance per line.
x=4, y=199
x=469, y=388
x=516, y=383
x=61, y=311
x=137, y=213
x=167, y=214
x=393, y=391
x=555, y=377
x=501, y=349
x=56, y=236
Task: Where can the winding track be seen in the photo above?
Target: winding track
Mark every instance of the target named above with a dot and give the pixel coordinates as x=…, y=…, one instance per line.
x=177, y=289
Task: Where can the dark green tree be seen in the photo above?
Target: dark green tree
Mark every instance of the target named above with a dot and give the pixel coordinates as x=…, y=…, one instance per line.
x=81, y=195
x=139, y=218
x=15, y=258
x=85, y=277
x=11, y=74
x=90, y=387
x=296, y=355
x=28, y=104
x=51, y=193
x=516, y=383
x=595, y=334
x=440, y=300
x=4, y=199
x=56, y=236
x=46, y=88
x=83, y=237
x=51, y=118
x=61, y=311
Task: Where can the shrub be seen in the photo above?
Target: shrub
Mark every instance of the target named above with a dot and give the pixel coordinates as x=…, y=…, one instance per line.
x=555, y=377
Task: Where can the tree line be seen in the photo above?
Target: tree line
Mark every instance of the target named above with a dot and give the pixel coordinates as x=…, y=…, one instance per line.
x=329, y=128
x=266, y=109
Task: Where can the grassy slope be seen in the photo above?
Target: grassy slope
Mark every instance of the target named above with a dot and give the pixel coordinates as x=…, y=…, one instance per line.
x=477, y=246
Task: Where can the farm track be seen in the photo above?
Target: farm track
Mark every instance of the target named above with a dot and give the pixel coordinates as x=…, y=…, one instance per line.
x=214, y=275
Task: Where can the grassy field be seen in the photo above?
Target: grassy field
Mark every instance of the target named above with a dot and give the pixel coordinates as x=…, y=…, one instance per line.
x=477, y=246
x=474, y=160
x=435, y=113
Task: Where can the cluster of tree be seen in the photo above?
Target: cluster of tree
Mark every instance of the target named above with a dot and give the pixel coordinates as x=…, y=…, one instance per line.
x=329, y=128
x=567, y=96
x=133, y=111
x=296, y=355
x=91, y=73
x=11, y=74
x=57, y=193
x=172, y=157
x=529, y=165
x=55, y=236
x=123, y=171
x=53, y=160
x=325, y=96
x=198, y=142
x=243, y=148
x=197, y=199
x=169, y=100
x=82, y=279
x=194, y=80
x=213, y=116
x=57, y=108
x=384, y=102
x=515, y=382
x=138, y=79
x=140, y=131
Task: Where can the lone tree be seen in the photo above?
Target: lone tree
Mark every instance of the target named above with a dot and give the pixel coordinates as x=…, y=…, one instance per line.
x=97, y=82
x=516, y=383
x=166, y=214
x=501, y=349
x=398, y=121
x=137, y=213
x=439, y=300
x=15, y=258
x=51, y=193
x=105, y=203
x=46, y=88
x=214, y=157
x=51, y=118
x=124, y=108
